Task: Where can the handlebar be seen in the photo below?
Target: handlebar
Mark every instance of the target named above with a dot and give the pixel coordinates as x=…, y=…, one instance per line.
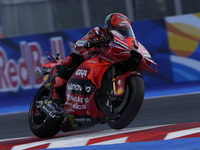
x=93, y=43
x=39, y=74
x=104, y=42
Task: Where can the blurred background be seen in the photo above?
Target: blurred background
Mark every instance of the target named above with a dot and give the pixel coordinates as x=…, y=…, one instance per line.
x=22, y=17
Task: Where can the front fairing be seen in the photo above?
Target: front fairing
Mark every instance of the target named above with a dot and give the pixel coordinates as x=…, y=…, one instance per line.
x=120, y=47
x=146, y=62
x=143, y=51
x=127, y=43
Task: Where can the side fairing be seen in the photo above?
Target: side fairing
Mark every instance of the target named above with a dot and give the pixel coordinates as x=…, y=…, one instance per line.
x=81, y=88
x=143, y=51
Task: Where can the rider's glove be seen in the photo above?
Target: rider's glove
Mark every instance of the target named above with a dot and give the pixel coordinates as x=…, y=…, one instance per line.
x=91, y=42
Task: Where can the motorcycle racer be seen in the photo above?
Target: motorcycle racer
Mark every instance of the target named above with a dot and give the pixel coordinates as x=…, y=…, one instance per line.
x=85, y=50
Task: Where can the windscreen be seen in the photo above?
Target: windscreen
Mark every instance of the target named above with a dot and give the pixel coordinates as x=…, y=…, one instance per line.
x=128, y=32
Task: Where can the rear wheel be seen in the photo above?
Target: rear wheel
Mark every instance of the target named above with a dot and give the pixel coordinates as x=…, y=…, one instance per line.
x=40, y=124
x=130, y=104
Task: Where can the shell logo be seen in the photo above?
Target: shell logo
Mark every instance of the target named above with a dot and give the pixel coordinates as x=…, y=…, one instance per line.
x=183, y=34
x=120, y=91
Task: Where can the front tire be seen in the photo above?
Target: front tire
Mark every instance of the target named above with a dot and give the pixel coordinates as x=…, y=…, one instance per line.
x=40, y=124
x=131, y=102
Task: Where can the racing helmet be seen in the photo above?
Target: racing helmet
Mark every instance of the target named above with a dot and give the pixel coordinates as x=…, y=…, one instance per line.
x=120, y=23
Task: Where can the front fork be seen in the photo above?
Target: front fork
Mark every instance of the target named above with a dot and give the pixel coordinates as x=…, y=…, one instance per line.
x=113, y=81
x=112, y=98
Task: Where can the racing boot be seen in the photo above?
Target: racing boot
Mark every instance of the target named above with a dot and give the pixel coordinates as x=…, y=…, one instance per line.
x=55, y=107
x=52, y=109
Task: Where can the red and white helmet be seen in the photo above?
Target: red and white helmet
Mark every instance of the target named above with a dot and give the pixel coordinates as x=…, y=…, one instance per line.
x=119, y=22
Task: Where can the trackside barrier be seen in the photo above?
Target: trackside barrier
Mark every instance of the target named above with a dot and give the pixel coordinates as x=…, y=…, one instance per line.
x=173, y=43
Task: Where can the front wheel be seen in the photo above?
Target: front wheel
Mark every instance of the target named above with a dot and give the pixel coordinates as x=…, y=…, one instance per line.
x=130, y=103
x=40, y=124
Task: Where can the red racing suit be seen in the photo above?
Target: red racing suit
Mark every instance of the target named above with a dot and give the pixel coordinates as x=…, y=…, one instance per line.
x=70, y=63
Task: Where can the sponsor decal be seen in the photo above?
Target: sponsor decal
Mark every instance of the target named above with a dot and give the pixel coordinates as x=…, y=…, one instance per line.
x=91, y=61
x=126, y=52
x=77, y=99
x=69, y=110
x=82, y=73
x=79, y=107
x=120, y=91
x=67, y=103
x=120, y=44
x=87, y=89
x=107, y=59
x=71, y=119
x=82, y=120
x=77, y=102
x=78, y=87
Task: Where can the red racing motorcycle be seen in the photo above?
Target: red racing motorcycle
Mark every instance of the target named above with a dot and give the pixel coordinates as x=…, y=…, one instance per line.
x=107, y=88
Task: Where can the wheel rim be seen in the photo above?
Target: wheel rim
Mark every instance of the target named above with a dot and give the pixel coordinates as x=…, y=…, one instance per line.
x=119, y=110
x=124, y=101
x=37, y=117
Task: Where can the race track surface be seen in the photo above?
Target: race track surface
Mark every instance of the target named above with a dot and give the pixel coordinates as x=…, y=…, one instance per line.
x=156, y=111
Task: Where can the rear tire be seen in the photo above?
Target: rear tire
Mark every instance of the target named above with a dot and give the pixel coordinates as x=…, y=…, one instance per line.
x=134, y=89
x=41, y=125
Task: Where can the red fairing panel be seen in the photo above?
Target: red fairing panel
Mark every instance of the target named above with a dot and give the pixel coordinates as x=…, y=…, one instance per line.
x=82, y=86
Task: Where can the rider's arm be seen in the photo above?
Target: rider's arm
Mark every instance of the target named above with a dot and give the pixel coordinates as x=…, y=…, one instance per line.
x=87, y=52
x=92, y=34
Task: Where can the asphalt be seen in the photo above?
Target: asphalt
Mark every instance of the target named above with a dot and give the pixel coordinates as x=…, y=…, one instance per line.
x=154, y=111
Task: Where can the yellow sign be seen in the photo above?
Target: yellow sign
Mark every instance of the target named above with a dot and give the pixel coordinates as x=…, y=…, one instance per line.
x=183, y=34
